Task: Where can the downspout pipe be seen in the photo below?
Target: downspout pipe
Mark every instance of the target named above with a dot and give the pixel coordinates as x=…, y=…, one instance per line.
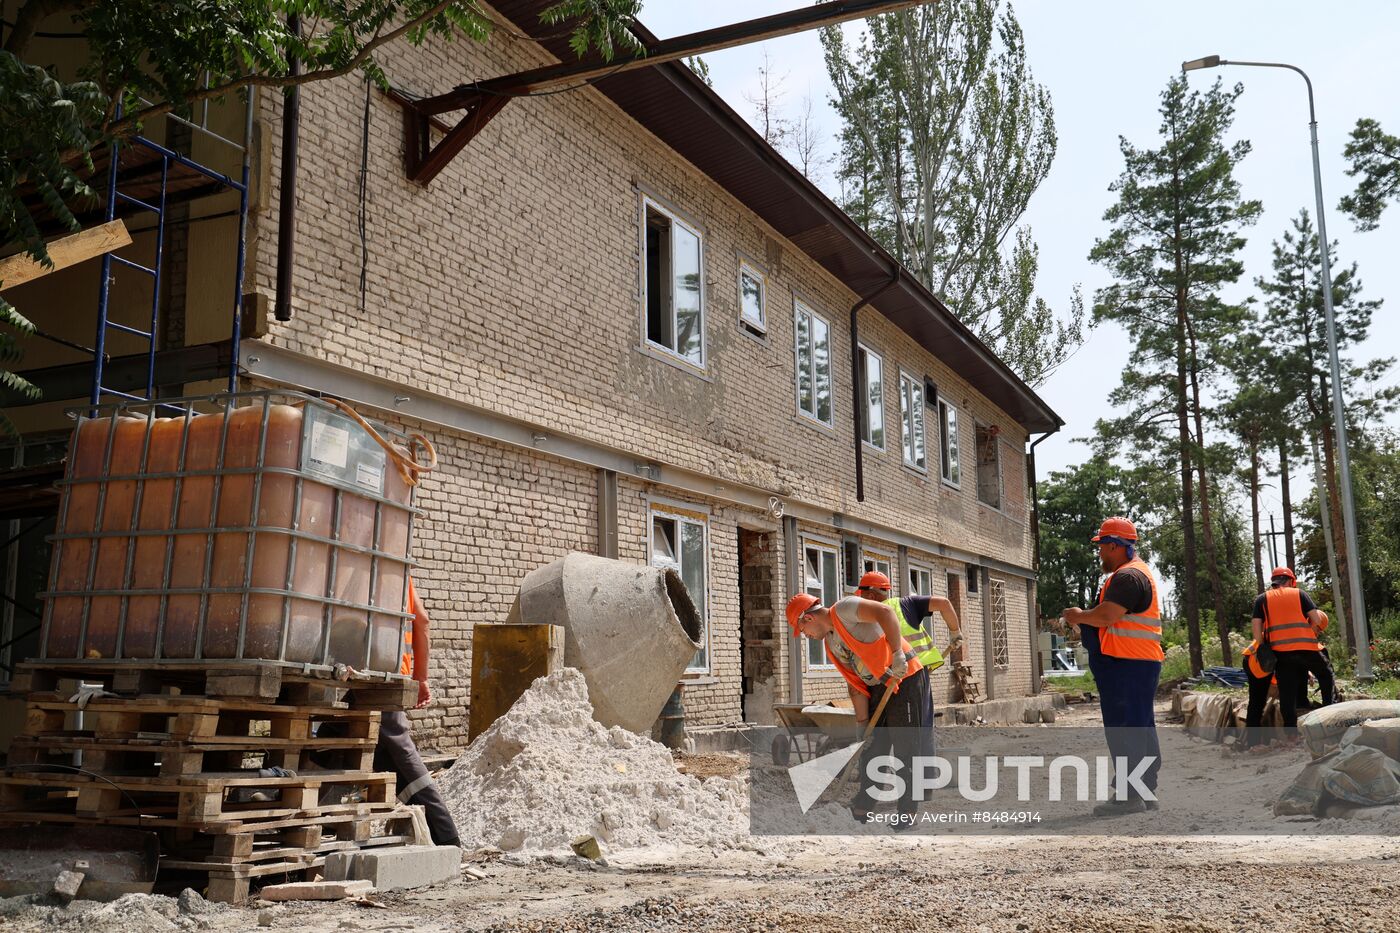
x=1035, y=501
x=287, y=203
x=858, y=380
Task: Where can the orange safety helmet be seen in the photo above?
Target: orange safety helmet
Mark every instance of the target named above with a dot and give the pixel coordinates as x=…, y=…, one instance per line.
x=797, y=606
x=1116, y=527
x=1322, y=626
x=874, y=578
x=1283, y=572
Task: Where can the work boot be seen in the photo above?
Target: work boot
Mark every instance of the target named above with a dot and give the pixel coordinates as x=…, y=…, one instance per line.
x=1112, y=808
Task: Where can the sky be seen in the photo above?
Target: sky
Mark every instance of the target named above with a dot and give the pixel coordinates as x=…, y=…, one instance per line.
x=1105, y=65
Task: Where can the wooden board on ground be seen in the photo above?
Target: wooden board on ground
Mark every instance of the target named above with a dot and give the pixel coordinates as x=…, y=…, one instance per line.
x=506, y=659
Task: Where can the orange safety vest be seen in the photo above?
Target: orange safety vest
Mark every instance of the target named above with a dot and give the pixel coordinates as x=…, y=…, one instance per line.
x=1138, y=635
x=875, y=655
x=1287, y=627
x=414, y=607
x=1251, y=665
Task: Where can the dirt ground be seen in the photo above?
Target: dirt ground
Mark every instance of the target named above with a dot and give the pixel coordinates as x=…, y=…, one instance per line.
x=1173, y=883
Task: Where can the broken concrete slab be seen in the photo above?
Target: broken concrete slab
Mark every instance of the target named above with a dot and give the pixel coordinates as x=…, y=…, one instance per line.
x=1003, y=712
x=397, y=867
x=315, y=890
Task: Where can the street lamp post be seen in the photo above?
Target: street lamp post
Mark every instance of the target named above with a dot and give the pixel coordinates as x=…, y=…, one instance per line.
x=1363, y=644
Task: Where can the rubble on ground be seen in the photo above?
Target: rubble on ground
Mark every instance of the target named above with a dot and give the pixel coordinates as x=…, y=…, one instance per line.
x=547, y=773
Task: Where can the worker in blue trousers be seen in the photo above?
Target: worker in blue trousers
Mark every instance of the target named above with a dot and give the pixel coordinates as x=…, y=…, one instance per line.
x=1123, y=637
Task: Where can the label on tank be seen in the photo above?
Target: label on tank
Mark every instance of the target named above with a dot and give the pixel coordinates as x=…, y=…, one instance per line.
x=341, y=451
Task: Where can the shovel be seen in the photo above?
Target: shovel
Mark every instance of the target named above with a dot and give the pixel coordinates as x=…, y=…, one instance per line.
x=869, y=729
x=95, y=863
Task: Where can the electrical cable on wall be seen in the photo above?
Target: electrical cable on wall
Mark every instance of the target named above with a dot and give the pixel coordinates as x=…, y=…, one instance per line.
x=364, y=197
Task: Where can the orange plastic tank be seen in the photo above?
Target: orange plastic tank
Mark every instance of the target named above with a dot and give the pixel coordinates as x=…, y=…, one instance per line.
x=274, y=528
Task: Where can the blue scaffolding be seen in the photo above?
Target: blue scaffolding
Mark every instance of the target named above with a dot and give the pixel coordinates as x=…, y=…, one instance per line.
x=117, y=198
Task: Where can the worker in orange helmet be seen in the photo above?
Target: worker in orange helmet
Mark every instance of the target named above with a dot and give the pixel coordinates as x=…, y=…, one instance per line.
x=862, y=639
x=1288, y=621
x=912, y=611
x=1123, y=636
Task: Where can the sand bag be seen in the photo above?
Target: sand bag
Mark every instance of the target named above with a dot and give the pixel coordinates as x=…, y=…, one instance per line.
x=1363, y=776
x=1322, y=728
x=1380, y=734
x=1306, y=796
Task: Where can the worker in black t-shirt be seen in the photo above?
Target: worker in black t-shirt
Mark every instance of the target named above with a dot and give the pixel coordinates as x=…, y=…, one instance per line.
x=1123, y=635
x=1289, y=621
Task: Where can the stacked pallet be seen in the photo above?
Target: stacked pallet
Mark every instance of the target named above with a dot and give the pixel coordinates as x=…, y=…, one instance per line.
x=248, y=775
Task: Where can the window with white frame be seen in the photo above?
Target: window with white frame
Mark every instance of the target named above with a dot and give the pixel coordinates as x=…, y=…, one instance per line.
x=873, y=426
x=753, y=299
x=678, y=542
x=874, y=560
x=988, y=466
x=920, y=580
x=911, y=415
x=1001, y=649
x=948, y=442
x=673, y=301
x=813, y=365
x=821, y=578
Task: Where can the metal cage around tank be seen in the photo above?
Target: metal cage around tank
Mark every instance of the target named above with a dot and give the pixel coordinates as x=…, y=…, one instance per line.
x=334, y=485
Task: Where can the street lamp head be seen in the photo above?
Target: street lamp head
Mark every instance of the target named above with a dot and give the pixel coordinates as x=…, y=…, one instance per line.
x=1210, y=61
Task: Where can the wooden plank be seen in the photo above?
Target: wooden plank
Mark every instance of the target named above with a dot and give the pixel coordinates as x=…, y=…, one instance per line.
x=506, y=659
x=68, y=251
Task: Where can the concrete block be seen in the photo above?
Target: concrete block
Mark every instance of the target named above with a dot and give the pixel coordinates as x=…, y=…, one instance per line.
x=396, y=867
x=315, y=890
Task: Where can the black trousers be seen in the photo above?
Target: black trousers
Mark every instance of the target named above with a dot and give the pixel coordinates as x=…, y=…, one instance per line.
x=1292, y=673
x=905, y=730
x=396, y=752
x=1127, y=692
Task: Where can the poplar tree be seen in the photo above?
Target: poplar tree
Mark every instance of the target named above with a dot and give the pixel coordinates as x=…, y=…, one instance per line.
x=1173, y=245
x=940, y=111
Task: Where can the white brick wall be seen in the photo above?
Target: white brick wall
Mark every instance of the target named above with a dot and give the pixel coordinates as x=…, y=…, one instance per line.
x=511, y=283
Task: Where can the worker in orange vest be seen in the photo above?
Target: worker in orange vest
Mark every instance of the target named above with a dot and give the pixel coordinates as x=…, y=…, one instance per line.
x=396, y=750
x=1123, y=636
x=1289, y=621
x=862, y=639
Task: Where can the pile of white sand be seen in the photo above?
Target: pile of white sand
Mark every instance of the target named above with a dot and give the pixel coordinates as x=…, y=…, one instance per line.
x=546, y=773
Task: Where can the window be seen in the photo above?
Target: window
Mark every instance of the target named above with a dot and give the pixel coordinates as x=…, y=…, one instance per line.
x=753, y=300
x=948, y=442
x=988, y=466
x=872, y=560
x=1001, y=651
x=911, y=414
x=813, y=365
x=678, y=543
x=873, y=426
x=675, y=316
x=920, y=581
x=821, y=580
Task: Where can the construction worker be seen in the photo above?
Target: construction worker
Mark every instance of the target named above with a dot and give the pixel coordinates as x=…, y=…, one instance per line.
x=863, y=641
x=912, y=610
x=1123, y=636
x=395, y=750
x=1287, y=619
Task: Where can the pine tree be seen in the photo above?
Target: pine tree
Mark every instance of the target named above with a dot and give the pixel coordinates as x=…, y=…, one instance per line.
x=1174, y=244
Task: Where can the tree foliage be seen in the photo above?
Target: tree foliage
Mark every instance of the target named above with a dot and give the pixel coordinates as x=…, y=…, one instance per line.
x=1374, y=156
x=1173, y=245
x=1072, y=504
x=945, y=138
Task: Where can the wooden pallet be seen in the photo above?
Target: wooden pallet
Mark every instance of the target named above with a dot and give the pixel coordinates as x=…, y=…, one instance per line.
x=190, y=801
x=143, y=757
x=967, y=682
x=238, y=862
x=191, y=719
x=258, y=680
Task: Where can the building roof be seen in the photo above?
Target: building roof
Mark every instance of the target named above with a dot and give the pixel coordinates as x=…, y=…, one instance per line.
x=674, y=104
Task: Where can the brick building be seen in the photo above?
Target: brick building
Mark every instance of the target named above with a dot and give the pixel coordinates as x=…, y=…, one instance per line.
x=627, y=324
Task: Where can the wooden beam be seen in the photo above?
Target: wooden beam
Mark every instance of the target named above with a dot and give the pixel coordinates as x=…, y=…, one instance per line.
x=65, y=252
x=666, y=50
